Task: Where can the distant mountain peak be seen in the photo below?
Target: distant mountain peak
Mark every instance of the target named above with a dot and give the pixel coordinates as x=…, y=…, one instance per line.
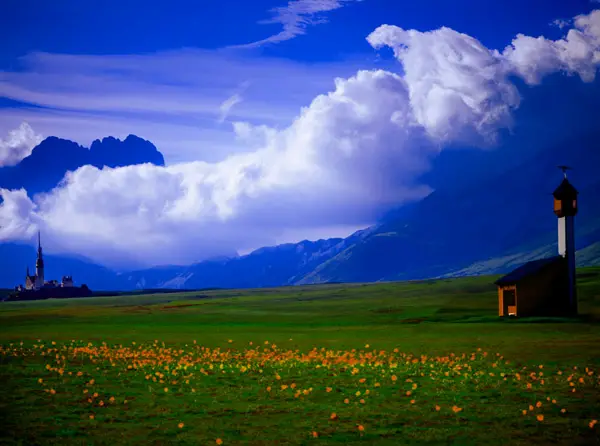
x=52, y=158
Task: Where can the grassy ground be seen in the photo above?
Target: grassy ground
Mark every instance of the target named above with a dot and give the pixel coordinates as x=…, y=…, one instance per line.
x=397, y=363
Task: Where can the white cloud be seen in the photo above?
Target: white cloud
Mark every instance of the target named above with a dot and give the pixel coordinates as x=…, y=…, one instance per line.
x=577, y=53
x=227, y=105
x=18, y=145
x=458, y=88
x=295, y=17
x=561, y=23
x=347, y=157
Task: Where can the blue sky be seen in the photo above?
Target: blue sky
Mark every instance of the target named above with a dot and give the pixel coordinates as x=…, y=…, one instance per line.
x=129, y=27
x=310, y=125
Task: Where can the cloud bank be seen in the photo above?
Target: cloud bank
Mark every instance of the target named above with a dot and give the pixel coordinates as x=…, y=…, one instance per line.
x=348, y=156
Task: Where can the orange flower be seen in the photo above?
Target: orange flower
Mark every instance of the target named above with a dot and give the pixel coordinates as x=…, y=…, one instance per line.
x=563, y=410
x=91, y=417
x=315, y=434
x=328, y=389
x=361, y=427
x=362, y=401
x=456, y=409
x=219, y=441
x=412, y=401
x=180, y=425
x=593, y=423
x=538, y=404
x=540, y=417
x=333, y=416
x=408, y=393
x=437, y=408
x=347, y=401
x=166, y=389
x=524, y=411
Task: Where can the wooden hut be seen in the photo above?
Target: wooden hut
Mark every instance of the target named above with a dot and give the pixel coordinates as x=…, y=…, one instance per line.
x=538, y=288
x=546, y=287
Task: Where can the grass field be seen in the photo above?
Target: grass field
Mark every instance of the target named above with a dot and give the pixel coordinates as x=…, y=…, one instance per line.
x=390, y=363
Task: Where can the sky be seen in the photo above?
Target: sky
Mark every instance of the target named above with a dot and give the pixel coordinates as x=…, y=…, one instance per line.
x=279, y=121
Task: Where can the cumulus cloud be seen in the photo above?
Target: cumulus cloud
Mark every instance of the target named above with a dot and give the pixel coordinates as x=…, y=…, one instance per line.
x=346, y=158
x=577, y=53
x=458, y=88
x=335, y=165
x=18, y=145
x=295, y=18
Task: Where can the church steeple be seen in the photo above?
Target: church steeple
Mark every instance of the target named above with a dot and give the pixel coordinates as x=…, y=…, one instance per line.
x=39, y=264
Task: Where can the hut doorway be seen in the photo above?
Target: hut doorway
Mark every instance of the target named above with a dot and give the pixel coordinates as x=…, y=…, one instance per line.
x=510, y=302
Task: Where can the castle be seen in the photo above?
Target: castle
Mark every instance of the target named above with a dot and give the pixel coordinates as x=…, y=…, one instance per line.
x=37, y=282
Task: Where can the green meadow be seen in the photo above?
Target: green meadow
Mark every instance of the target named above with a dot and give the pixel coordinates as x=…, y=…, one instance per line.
x=389, y=363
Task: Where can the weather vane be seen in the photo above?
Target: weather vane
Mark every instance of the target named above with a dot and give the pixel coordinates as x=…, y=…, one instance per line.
x=564, y=170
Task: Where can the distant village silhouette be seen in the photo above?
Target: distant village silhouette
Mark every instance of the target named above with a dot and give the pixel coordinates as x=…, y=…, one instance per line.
x=36, y=287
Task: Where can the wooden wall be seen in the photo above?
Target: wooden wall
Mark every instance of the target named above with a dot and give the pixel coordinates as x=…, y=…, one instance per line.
x=545, y=293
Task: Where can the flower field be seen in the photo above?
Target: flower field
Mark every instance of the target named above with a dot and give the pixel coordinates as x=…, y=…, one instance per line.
x=281, y=390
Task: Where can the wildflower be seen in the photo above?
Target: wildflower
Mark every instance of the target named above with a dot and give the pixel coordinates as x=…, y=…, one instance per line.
x=563, y=410
x=456, y=409
x=437, y=408
x=166, y=389
x=361, y=428
x=593, y=423
x=328, y=389
x=540, y=417
x=180, y=425
x=219, y=441
x=333, y=416
x=91, y=417
x=412, y=401
x=347, y=401
x=315, y=434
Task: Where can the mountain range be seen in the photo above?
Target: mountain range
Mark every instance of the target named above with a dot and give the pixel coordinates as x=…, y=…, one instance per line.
x=490, y=221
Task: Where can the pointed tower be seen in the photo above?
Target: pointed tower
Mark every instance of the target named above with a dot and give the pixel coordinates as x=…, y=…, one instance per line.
x=39, y=265
x=565, y=208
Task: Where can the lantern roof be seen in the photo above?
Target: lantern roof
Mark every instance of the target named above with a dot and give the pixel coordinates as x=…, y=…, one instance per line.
x=565, y=190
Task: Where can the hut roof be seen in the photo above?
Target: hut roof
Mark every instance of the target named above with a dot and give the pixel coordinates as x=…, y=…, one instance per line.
x=528, y=269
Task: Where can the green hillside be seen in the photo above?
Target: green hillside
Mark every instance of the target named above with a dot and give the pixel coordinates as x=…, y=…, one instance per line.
x=298, y=365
